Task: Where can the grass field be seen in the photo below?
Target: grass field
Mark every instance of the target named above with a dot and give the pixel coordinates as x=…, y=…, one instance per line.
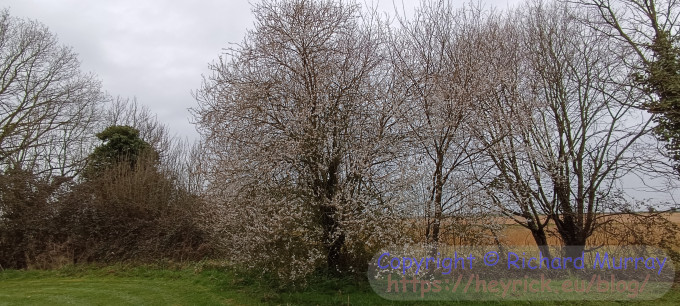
x=195, y=284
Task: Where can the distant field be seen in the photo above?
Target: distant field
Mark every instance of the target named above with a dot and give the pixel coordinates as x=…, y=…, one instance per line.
x=675, y=217
x=199, y=284
x=515, y=234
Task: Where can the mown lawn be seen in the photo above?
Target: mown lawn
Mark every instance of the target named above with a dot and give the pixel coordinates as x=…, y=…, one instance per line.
x=195, y=284
x=123, y=285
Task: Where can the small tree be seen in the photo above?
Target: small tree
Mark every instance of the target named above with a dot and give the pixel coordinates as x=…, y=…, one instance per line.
x=122, y=144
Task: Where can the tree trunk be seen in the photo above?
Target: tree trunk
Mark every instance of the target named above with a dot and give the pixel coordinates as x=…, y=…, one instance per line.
x=436, y=199
x=541, y=241
x=333, y=236
x=573, y=237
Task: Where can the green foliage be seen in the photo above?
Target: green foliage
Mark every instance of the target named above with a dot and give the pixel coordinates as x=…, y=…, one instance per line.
x=121, y=144
x=662, y=78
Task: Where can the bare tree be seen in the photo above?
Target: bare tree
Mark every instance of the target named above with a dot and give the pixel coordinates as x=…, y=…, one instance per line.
x=48, y=108
x=47, y=105
x=439, y=76
x=296, y=126
x=125, y=111
x=575, y=133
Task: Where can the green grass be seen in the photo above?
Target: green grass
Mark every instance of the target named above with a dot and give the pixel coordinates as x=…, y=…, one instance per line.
x=197, y=284
x=123, y=285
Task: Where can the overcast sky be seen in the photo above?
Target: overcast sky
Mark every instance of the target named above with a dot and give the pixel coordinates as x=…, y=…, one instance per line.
x=153, y=50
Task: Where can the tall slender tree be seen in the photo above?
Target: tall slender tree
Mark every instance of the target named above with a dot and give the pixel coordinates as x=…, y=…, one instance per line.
x=439, y=77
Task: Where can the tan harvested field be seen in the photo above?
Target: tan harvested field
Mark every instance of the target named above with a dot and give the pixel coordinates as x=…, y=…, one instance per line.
x=675, y=218
x=515, y=234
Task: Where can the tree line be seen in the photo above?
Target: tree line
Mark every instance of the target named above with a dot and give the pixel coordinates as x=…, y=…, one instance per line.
x=333, y=130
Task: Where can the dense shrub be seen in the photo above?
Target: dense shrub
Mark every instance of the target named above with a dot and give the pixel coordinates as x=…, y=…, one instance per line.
x=122, y=213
